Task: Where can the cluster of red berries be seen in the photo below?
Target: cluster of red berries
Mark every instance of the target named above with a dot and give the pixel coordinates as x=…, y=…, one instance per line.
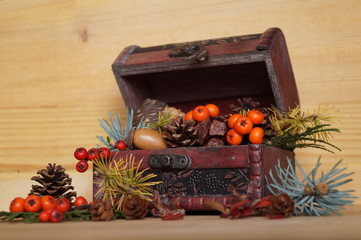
x=49, y=208
x=84, y=155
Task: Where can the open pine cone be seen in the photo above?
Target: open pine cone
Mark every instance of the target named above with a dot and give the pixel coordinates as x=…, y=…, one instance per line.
x=180, y=133
x=282, y=204
x=54, y=181
x=101, y=210
x=135, y=207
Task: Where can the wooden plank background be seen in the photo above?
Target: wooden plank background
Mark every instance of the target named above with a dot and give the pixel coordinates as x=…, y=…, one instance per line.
x=56, y=80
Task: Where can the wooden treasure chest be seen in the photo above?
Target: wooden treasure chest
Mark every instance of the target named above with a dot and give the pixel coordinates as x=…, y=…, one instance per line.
x=218, y=71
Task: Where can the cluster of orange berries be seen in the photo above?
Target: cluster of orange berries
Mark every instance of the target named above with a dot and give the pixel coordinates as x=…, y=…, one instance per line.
x=243, y=125
x=201, y=113
x=48, y=207
x=239, y=125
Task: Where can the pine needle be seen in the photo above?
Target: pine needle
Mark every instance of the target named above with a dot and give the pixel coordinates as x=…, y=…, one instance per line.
x=122, y=178
x=298, y=129
x=114, y=129
x=291, y=139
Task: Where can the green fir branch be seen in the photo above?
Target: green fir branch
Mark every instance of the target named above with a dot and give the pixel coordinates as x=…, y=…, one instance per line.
x=77, y=215
x=30, y=217
x=290, y=140
x=26, y=217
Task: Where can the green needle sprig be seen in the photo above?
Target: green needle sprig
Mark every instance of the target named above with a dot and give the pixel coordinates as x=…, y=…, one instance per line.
x=299, y=129
x=30, y=217
x=26, y=217
x=122, y=178
x=291, y=139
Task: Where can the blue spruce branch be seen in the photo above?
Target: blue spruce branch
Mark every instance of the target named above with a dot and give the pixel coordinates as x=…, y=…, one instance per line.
x=312, y=195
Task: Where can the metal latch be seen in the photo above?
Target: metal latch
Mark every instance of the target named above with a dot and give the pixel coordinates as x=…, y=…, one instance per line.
x=169, y=161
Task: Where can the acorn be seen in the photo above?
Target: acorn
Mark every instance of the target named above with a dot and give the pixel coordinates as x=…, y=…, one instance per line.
x=145, y=139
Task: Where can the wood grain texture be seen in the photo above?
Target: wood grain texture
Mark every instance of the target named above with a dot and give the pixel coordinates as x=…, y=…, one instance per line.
x=56, y=78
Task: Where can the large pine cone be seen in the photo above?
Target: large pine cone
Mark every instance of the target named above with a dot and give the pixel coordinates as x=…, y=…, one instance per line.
x=180, y=133
x=54, y=181
x=101, y=210
x=135, y=207
x=282, y=204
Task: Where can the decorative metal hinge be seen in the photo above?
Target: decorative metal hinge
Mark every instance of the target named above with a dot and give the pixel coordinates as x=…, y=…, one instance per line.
x=169, y=161
x=190, y=51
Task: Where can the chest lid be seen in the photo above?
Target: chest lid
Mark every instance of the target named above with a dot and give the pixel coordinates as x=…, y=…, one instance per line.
x=218, y=71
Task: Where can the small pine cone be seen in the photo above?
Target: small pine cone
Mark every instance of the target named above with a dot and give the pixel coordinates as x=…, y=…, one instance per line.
x=282, y=204
x=101, y=210
x=321, y=188
x=180, y=133
x=172, y=112
x=148, y=111
x=244, y=104
x=135, y=207
x=54, y=181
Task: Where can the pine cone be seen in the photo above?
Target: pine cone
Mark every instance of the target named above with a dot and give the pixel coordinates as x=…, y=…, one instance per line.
x=244, y=104
x=180, y=133
x=282, y=204
x=101, y=210
x=54, y=181
x=148, y=111
x=135, y=207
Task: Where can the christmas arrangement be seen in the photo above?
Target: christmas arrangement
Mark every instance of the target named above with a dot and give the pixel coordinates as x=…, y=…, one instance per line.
x=158, y=126
x=129, y=192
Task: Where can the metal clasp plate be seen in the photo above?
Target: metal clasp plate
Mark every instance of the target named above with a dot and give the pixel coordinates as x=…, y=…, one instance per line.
x=169, y=161
x=190, y=51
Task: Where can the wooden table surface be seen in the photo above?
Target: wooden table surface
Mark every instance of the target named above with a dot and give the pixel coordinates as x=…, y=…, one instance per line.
x=347, y=226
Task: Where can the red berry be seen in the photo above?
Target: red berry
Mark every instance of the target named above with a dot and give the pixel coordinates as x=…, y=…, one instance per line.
x=44, y=215
x=63, y=204
x=80, y=153
x=104, y=153
x=82, y=166
x=48, y=202
x=17, y=205
x=120, y=145
x=80, y=201
x=92, y=154
x=56, y=216
x=32, y=203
